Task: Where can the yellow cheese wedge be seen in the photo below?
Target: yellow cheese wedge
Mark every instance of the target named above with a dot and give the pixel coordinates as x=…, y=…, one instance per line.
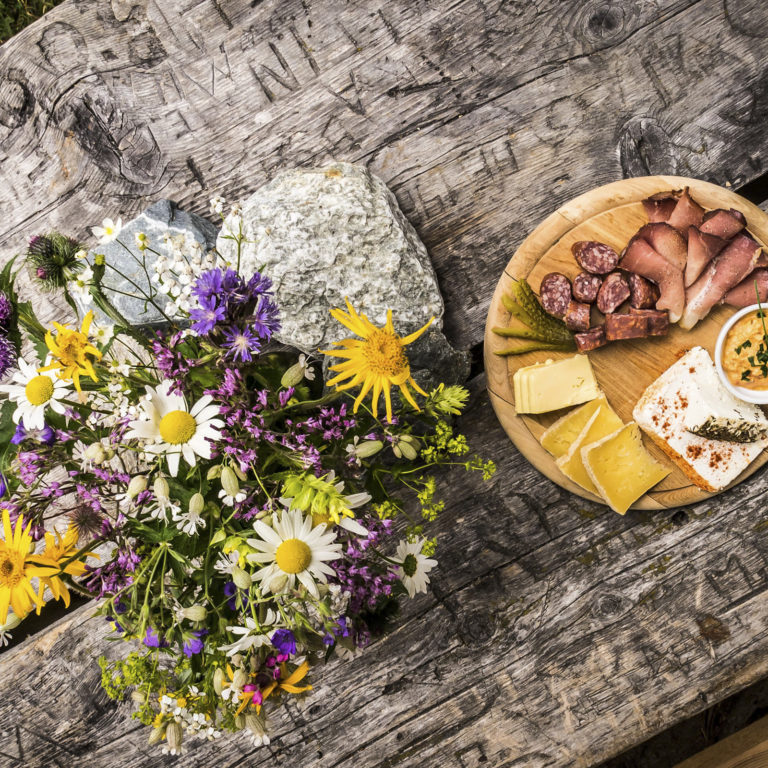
x=553, y=385
x=603, y=422
x=562, y=434
x=620, y=467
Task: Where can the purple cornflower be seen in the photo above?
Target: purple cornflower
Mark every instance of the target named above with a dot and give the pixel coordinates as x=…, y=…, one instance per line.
x=6, y=309
x=45, y=435
x=241, y=343
x=207, y=316
x=153, y=640
x=284, y=641
x=265, y=318
x=193, y=643
x=208, y=285
x=7, y=355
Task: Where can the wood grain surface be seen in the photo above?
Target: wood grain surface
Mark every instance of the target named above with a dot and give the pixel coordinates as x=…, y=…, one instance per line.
x=557, y=633
x=610, y=214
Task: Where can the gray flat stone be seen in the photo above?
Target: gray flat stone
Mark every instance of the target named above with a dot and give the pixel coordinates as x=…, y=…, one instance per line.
x=161, y=218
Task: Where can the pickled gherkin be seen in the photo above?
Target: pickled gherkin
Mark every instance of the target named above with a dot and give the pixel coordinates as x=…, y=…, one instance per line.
x=544, y=331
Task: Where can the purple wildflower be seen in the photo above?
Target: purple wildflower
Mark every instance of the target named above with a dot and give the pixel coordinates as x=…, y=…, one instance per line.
x=29, y=466
x=265, y=318
x=193, y=643
x=242, y=343
x=208, y=285
x=113, y=576
x=207, y=316
x=153, y=639
x=7, y=355
x=45, y=435
x=284, y=641
x=6, y=309
x=172, y=362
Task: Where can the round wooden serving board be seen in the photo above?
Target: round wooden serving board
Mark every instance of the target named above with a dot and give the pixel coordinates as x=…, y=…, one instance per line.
x=610, y=214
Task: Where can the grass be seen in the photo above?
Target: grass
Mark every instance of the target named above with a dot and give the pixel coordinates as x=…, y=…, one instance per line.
x=17, y=14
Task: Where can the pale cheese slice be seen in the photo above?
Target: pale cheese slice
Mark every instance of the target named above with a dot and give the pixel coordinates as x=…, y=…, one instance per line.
x=602, y=423
x=621, y=468
x=553, y=385
x=561, y=435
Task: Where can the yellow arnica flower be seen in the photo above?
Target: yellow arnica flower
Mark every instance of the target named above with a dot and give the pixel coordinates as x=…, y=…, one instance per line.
x=376, y=360
x=59, y=548
x=72, y=354
x=17, y=567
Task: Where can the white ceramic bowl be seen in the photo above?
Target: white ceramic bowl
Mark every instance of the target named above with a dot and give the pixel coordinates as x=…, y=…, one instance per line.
x=759, y=397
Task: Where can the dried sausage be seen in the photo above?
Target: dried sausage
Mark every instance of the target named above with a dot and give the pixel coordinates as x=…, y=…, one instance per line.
x=625, y=327
x=555, y=293
x=657, y=320
x=586, y=286
x=577, y=316
x=613, y=292
x=590, y=339
x=643, y=294
x=594, y=257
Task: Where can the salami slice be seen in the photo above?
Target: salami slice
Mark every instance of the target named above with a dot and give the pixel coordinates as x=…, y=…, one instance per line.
x=625, y=327
x=594, y=257
x=613, y=292
x=577, y=316
x=586, y=286
x=555, y=293
x=590, y=339
x=643, y=294
x=657, y=320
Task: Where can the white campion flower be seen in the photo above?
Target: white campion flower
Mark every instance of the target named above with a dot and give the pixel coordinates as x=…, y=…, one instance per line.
x=251, y=634
x=108, y=231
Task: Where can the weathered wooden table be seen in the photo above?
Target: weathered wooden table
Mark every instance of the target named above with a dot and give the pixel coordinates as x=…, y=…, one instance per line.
x=557, y=633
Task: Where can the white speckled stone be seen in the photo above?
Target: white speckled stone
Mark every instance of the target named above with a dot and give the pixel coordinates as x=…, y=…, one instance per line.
x=328, y=233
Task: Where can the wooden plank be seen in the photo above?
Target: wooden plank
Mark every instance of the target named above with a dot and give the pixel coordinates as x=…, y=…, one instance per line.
x=482, y=116
x=558, y=633
x=747, y=748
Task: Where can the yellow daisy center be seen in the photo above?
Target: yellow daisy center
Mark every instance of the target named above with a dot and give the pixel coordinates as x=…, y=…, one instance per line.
x=11, y=568
x=177, y=427
x=39, y=390
x=384, y=353
x=293, y=556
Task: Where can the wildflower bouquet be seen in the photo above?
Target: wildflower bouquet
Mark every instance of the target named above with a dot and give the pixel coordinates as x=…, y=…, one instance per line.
x=239, y=519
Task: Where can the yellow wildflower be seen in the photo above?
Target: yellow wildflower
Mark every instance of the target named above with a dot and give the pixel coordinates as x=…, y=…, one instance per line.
x=17, y=567
x=72, y=354
x=376, y=360
x=252, y=695
x=58, y=549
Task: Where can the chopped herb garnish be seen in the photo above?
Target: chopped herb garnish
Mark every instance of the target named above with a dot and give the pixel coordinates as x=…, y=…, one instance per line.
x=760, y=312
x=745, y=375
x=751, y=359
x=747, y=343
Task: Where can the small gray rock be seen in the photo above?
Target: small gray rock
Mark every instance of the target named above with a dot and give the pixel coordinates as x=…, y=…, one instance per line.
x=161, y=218
x=326, y=234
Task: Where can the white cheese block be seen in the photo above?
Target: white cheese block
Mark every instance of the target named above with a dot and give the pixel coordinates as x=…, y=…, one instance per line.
x=679, y=399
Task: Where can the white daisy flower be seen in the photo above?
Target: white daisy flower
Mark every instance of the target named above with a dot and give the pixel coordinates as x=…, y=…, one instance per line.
x=226, y=563
x=108, y=231
x=251, y=636
x=81, y=286
x=293, y=550
x=414, y=566
x=173, y=429
x=34, y=393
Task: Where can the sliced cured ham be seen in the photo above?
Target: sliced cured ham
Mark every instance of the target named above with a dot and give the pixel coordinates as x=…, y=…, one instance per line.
x=687, y=213
x=659, y=207
x=744, y=293
x=640, y=258
x=724, y=272
x=667, y=241
x=722, y=223
x=702, y=248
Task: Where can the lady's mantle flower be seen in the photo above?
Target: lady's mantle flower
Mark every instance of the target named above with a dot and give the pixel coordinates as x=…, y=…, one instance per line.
x=33, y=394
x=375, y=361
x=175, y=430
x=414, y=566
x=293, y=550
